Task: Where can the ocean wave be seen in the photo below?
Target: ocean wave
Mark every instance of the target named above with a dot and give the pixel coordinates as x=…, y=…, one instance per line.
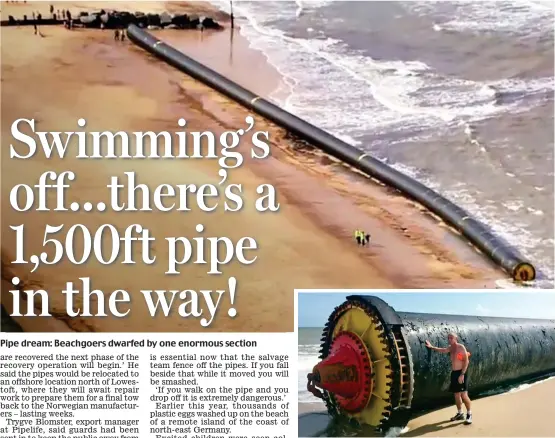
x=514, y=17
x=310, y=5
x=349, y=94
x=309, y=349
x=401, y=89
x=515, y=92
x=308, y=357
x=517, y=388
x=305, y=396
x=525, y=386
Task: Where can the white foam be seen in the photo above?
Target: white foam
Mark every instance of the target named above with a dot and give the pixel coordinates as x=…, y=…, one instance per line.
x=538, y=86
x=488, y=90
x=393, y=84
x=393, y=432
x=515, y=17
x=349, y=94
x=507, y=283
x=522, y=387
x=535, y=212
x=526, y=386
x=545, y=5
x=396, y=431
x=299, y=10
x=513, y=205
x=306, y=361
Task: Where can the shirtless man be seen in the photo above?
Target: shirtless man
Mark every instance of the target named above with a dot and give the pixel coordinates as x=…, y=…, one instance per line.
x=459, y=380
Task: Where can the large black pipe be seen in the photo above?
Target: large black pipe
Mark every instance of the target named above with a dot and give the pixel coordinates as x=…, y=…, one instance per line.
x=503, y=351
x=479, y=235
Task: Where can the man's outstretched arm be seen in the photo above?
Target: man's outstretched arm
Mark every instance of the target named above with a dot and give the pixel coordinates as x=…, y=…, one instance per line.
x=438, y=349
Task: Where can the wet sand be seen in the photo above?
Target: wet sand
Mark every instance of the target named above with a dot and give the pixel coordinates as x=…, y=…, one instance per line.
x=522, y=413
x=65, y=75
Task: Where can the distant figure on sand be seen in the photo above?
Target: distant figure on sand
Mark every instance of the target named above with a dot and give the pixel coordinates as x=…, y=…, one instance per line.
x=36, y=28
x=361, y=237
x=122, y=35
x=358, y=237
x=459, y=380
x=231, y=14
x=116, y=35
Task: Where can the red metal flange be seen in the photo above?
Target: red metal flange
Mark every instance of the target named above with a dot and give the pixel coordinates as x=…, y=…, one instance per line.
x=346, y=372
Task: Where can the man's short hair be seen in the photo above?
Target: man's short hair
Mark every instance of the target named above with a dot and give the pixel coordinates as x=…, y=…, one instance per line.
x=453, y=335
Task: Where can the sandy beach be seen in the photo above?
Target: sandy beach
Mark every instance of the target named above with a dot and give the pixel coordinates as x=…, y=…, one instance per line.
x=65, y=75
x=515, y=414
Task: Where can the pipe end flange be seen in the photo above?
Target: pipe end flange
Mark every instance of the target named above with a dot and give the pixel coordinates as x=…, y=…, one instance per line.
x=524, y=271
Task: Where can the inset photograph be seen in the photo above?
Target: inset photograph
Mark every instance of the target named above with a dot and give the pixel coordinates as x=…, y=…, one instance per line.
x=419, y=363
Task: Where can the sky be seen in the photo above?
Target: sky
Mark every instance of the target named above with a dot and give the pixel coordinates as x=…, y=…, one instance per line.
x=315, y=308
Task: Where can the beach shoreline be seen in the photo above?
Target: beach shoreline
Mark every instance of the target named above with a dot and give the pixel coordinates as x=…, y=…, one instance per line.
x=85, y=71
x=518, y=413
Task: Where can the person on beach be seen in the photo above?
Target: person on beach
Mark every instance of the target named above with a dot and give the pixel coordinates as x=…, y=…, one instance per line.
x=122, y=35
x=363, y=238
x=116, y=35
x=459, y=380
x=36, y=28
x=367, y=238
x=358, y=237
x=231, y=14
